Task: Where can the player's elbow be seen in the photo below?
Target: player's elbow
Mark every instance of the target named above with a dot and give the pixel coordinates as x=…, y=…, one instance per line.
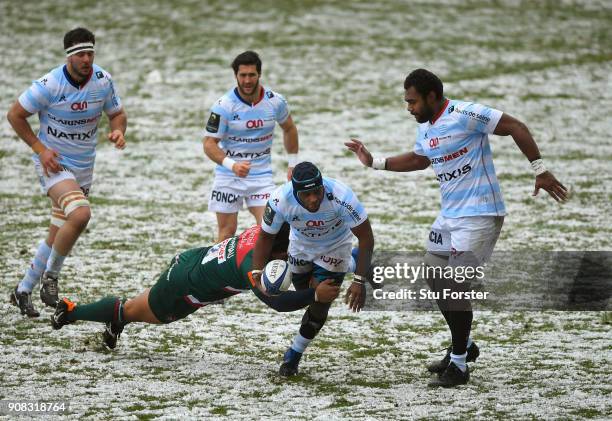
x=519, y=128
x=10, y=116
x=209, y=143
x=422, y=163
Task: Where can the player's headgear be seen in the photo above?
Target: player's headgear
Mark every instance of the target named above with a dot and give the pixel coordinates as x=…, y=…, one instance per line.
x=77, y=40
x=305, y=177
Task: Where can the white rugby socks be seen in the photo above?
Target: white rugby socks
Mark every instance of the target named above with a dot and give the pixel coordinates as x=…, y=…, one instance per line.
x=54, y=263
x=35, y=271
x=459, y=360
x=300, y=343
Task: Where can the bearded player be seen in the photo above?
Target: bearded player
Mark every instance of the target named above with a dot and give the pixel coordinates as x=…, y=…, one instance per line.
x=238, y=137
x=452, y=137
x=69, y=101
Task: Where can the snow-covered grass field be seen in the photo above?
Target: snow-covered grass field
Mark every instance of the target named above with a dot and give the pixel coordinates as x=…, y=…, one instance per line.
x=341, y=66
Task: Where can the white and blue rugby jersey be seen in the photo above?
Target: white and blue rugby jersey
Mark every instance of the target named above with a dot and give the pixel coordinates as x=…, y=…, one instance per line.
x=246, y=129
x=323, y=230
x=457, y=145
x=69, y=113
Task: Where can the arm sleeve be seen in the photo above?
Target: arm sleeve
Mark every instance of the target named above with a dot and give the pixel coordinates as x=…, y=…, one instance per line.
x=418, y=147
x=353, y=212
x=273, y=218
x=217, y=124
x=37, y=97
x=479, y=118
x=281, y=109
x=288, y=300
x=112, y=102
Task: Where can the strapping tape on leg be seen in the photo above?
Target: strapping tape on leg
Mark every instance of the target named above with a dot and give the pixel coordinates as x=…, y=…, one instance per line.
x=71, y=200
x=57, y=217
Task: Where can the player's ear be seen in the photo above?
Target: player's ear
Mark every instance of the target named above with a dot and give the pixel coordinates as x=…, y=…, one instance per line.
x=431, y=98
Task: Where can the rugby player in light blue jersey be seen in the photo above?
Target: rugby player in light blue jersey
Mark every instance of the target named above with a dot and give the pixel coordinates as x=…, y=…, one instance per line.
x=452, y=137
x=323, y=214
x=69, y=101
x=238, y=138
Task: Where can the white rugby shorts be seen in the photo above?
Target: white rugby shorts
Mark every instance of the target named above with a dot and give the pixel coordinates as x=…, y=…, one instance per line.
x=228, y=193
x=83, y=177
x=336, y=259
x=455, y=237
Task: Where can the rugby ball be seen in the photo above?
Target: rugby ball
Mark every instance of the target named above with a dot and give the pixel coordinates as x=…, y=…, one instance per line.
x=276, y=277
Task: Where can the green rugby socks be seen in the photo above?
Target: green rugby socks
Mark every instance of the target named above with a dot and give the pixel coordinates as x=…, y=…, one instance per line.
x=108, y=309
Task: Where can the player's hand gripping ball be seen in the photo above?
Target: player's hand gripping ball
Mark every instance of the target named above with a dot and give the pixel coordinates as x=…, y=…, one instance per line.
x=276, y=277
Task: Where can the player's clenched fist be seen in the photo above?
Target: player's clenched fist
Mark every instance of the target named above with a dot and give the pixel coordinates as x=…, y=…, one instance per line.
x=48, y=160
x=116, y=137
x=241, y=169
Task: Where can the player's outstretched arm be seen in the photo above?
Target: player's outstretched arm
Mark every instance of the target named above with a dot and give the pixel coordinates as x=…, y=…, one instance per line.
x=510, y=126
x=400, y=163
x=261, y=252
x=326, y=292
x=118, y=126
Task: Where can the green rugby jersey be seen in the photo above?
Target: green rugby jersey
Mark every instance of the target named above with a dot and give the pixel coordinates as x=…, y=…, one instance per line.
x=217, y=272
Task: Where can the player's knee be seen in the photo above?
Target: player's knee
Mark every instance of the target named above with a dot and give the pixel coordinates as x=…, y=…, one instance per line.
x=435, y=264
x=80, y=216
x=226, y=232
x=313, y=320
x=130, y=311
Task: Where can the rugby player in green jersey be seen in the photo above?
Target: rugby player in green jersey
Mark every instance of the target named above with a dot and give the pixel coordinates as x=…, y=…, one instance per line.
x=193, y=279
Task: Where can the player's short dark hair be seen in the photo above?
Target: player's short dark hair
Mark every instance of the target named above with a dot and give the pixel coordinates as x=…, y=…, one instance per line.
x=281, y=241
x=247, y=58
x=424, y=82
x=77, y=36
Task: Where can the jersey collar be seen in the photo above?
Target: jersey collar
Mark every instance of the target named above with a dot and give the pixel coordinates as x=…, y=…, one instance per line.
x=74, y=82
x=437, y=116
x=261, y=95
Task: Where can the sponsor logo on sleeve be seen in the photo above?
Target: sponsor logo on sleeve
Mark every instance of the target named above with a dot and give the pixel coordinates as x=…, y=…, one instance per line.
x=213, y=123
x=99, y=75
x=475, y=116
x=269, y=214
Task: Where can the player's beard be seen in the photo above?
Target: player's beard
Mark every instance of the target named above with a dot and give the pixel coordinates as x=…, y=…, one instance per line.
x=82, y=71
x=425, y=115
x=244, y=93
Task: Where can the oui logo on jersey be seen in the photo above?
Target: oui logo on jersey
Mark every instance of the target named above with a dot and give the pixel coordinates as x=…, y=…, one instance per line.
x=254, y=124
x=79, y=106
x=436, y=141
